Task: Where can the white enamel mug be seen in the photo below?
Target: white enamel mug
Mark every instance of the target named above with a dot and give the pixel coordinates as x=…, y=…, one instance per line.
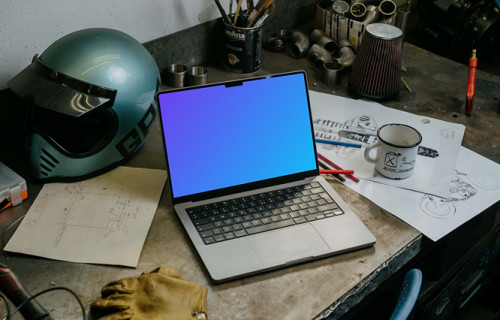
x=395, y=150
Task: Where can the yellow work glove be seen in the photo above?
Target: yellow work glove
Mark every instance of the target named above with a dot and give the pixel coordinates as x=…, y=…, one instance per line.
x=159, y=294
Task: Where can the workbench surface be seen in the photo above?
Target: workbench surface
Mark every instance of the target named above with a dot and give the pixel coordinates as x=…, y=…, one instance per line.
x=313, y=290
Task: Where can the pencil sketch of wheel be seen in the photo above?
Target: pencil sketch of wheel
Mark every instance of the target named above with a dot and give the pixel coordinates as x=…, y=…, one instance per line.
x=484, y=180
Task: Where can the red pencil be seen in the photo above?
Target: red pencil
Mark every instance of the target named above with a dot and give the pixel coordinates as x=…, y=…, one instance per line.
x=323, y=171
x=328, y=161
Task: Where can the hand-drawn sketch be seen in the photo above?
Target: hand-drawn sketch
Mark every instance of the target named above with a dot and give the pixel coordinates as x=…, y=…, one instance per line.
x=116, y=211
x=470, y=193
x=443, y=208
x=362, y=128
x=484, y=180
x=77, y=206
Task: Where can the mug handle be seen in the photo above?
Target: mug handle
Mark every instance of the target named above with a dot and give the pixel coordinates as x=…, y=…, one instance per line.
x=367, y=152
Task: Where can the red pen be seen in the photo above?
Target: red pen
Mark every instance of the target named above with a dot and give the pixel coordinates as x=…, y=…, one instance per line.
x=471, y=83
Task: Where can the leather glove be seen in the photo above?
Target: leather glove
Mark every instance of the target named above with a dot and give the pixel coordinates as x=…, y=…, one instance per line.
x=159, y=294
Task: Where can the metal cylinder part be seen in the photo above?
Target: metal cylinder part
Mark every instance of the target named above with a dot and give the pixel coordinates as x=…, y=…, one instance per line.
x=357, y=10
x=299, y=46
x=197, y=75
x=344, y=43
x=387, y=7
x=278, y=41
x=318, y=37
x=332, y=73
x=340, y=7
x=346, y=53
x=371, y=14
x=319, y=55
x=176, y=74
x=346, y=58
x=402, y=19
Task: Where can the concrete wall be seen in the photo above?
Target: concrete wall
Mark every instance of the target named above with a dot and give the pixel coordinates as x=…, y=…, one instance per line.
x=28, y=27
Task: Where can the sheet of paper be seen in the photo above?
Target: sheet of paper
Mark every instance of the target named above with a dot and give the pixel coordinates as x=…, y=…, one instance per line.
x=103, y=220
x=475, y=187
x=357, y=121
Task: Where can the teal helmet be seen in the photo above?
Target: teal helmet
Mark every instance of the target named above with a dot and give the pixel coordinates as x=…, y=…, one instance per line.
x=91, y=103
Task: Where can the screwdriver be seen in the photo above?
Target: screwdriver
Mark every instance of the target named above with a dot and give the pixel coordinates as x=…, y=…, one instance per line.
x=471, y=83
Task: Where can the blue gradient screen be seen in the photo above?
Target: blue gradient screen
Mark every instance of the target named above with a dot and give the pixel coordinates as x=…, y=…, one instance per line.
x=218, y=137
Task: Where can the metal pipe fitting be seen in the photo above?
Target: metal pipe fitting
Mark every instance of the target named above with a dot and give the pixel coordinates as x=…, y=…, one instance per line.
x=320, y=56
x=332, y=73
x=299, y=46
x=279, y=41
x=197, y=75
x=387, y=7
x=371, y=14
x=340, y=7
x=346, y=57
x=346, y=54
x=345, y=43
x=318, y=37
x=367, y=2
x=357, y=10
x=176, y=75
x=402, y=20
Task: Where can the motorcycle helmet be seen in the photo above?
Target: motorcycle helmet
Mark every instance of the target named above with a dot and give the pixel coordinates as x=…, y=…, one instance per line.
x=91, y=103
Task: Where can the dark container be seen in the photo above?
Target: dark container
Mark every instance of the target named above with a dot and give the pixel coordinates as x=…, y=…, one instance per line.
x=242, y=48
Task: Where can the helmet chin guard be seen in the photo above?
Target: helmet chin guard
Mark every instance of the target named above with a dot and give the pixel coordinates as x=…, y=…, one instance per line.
x=91, y=96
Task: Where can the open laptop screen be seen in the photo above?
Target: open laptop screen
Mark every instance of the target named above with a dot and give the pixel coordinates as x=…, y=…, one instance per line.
x=224, y=135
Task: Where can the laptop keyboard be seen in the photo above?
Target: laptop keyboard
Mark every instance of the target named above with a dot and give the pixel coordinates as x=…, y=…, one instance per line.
x=262, y=212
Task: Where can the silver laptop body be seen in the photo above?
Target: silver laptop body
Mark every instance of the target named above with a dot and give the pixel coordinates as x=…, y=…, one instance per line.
x=245, y=180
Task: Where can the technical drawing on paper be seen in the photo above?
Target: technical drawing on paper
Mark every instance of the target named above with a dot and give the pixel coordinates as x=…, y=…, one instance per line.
x=120, y=210
x=102, y=220
x=85, y=207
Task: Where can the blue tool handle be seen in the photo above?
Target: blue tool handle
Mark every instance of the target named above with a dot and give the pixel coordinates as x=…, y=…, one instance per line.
x=14, y=290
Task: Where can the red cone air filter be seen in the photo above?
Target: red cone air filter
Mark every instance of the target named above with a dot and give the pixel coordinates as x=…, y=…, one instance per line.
x=376, y=72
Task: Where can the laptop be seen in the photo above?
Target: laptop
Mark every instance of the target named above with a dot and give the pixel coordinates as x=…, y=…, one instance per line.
x=245, y=180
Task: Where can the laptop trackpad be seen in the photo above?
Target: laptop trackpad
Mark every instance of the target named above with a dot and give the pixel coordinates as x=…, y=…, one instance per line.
x=289, y=244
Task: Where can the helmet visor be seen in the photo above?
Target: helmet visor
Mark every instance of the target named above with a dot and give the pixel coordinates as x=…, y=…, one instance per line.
x=58, y=92
x=74, y=136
